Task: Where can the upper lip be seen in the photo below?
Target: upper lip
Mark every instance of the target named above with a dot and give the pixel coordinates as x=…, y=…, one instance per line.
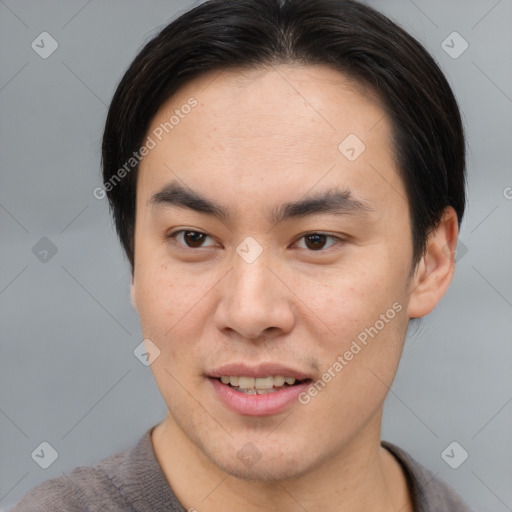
x=260, y=370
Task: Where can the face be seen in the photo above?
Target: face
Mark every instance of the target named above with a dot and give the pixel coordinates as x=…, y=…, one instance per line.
x=272, y=239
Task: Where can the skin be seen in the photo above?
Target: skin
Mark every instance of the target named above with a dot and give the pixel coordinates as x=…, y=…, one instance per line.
x=257, y=140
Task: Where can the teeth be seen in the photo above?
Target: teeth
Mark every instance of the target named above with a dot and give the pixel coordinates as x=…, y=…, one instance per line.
x=250, y=391
x=263, y=384
x=265, y=391
x=245, y=382
x=279, y=381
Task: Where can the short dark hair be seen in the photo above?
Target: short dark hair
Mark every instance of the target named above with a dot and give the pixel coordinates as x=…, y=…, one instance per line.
x=428, y=136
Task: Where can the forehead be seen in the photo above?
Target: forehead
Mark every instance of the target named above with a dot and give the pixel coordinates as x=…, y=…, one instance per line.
x=289, y=128
x=314, y=102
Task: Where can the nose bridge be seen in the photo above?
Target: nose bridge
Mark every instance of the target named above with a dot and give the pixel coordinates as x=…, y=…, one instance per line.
x=253, y=299
x=251, y=285
x=250, y=271
x=250, y=277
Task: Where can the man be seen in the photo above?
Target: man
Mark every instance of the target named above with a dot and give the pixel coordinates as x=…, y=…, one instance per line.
x=288, y=181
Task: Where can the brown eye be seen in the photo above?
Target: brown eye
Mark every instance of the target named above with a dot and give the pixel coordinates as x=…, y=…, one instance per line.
x=191, y=239
x=315, y=241
x=318, y=241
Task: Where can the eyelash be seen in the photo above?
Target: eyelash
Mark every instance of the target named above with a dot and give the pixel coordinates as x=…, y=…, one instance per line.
x=173, y=236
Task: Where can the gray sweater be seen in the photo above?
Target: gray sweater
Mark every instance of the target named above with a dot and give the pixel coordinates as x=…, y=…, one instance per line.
x=132, y=481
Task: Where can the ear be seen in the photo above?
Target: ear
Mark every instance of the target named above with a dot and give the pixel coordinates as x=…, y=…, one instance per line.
x=434, y=272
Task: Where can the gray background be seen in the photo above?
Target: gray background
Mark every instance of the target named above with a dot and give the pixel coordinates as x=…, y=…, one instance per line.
x=68, y=330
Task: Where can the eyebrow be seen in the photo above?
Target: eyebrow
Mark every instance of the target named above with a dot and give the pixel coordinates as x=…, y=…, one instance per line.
x=336, y=201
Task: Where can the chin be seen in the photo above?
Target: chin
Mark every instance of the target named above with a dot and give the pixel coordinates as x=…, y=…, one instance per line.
x=265, y=464
x=265, y=470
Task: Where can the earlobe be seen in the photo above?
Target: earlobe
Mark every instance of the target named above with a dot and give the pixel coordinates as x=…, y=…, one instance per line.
x=435, y=271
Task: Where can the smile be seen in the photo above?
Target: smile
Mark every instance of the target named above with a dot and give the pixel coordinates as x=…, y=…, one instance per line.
x=258, y=385
x=247, y=398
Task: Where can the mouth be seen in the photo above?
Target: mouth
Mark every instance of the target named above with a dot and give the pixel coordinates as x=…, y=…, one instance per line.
x=258, y=390
x=261, y=390
x=260, y=385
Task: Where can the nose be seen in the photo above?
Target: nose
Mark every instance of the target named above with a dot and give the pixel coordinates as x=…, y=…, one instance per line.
x=255, y=303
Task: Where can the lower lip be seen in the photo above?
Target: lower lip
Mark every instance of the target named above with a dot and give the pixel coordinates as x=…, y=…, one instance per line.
x=258, y=405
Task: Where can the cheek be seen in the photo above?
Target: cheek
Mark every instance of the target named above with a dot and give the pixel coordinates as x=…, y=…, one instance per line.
x=348, y=296
x=163, y=297
x=174, y=309
x=359, y=311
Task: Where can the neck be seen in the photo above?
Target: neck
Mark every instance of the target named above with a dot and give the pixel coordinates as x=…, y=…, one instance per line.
x=362, y=476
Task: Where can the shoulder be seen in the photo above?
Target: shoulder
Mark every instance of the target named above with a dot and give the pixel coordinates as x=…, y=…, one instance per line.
x=125, y=481
x=429, y=493
x=85, y=488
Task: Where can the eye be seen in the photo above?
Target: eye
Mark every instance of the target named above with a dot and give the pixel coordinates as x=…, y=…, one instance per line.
x=318, y=241
x=196, y=239
x=191, y=239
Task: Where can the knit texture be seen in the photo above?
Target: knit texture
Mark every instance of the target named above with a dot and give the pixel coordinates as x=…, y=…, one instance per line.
x=133, y=481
